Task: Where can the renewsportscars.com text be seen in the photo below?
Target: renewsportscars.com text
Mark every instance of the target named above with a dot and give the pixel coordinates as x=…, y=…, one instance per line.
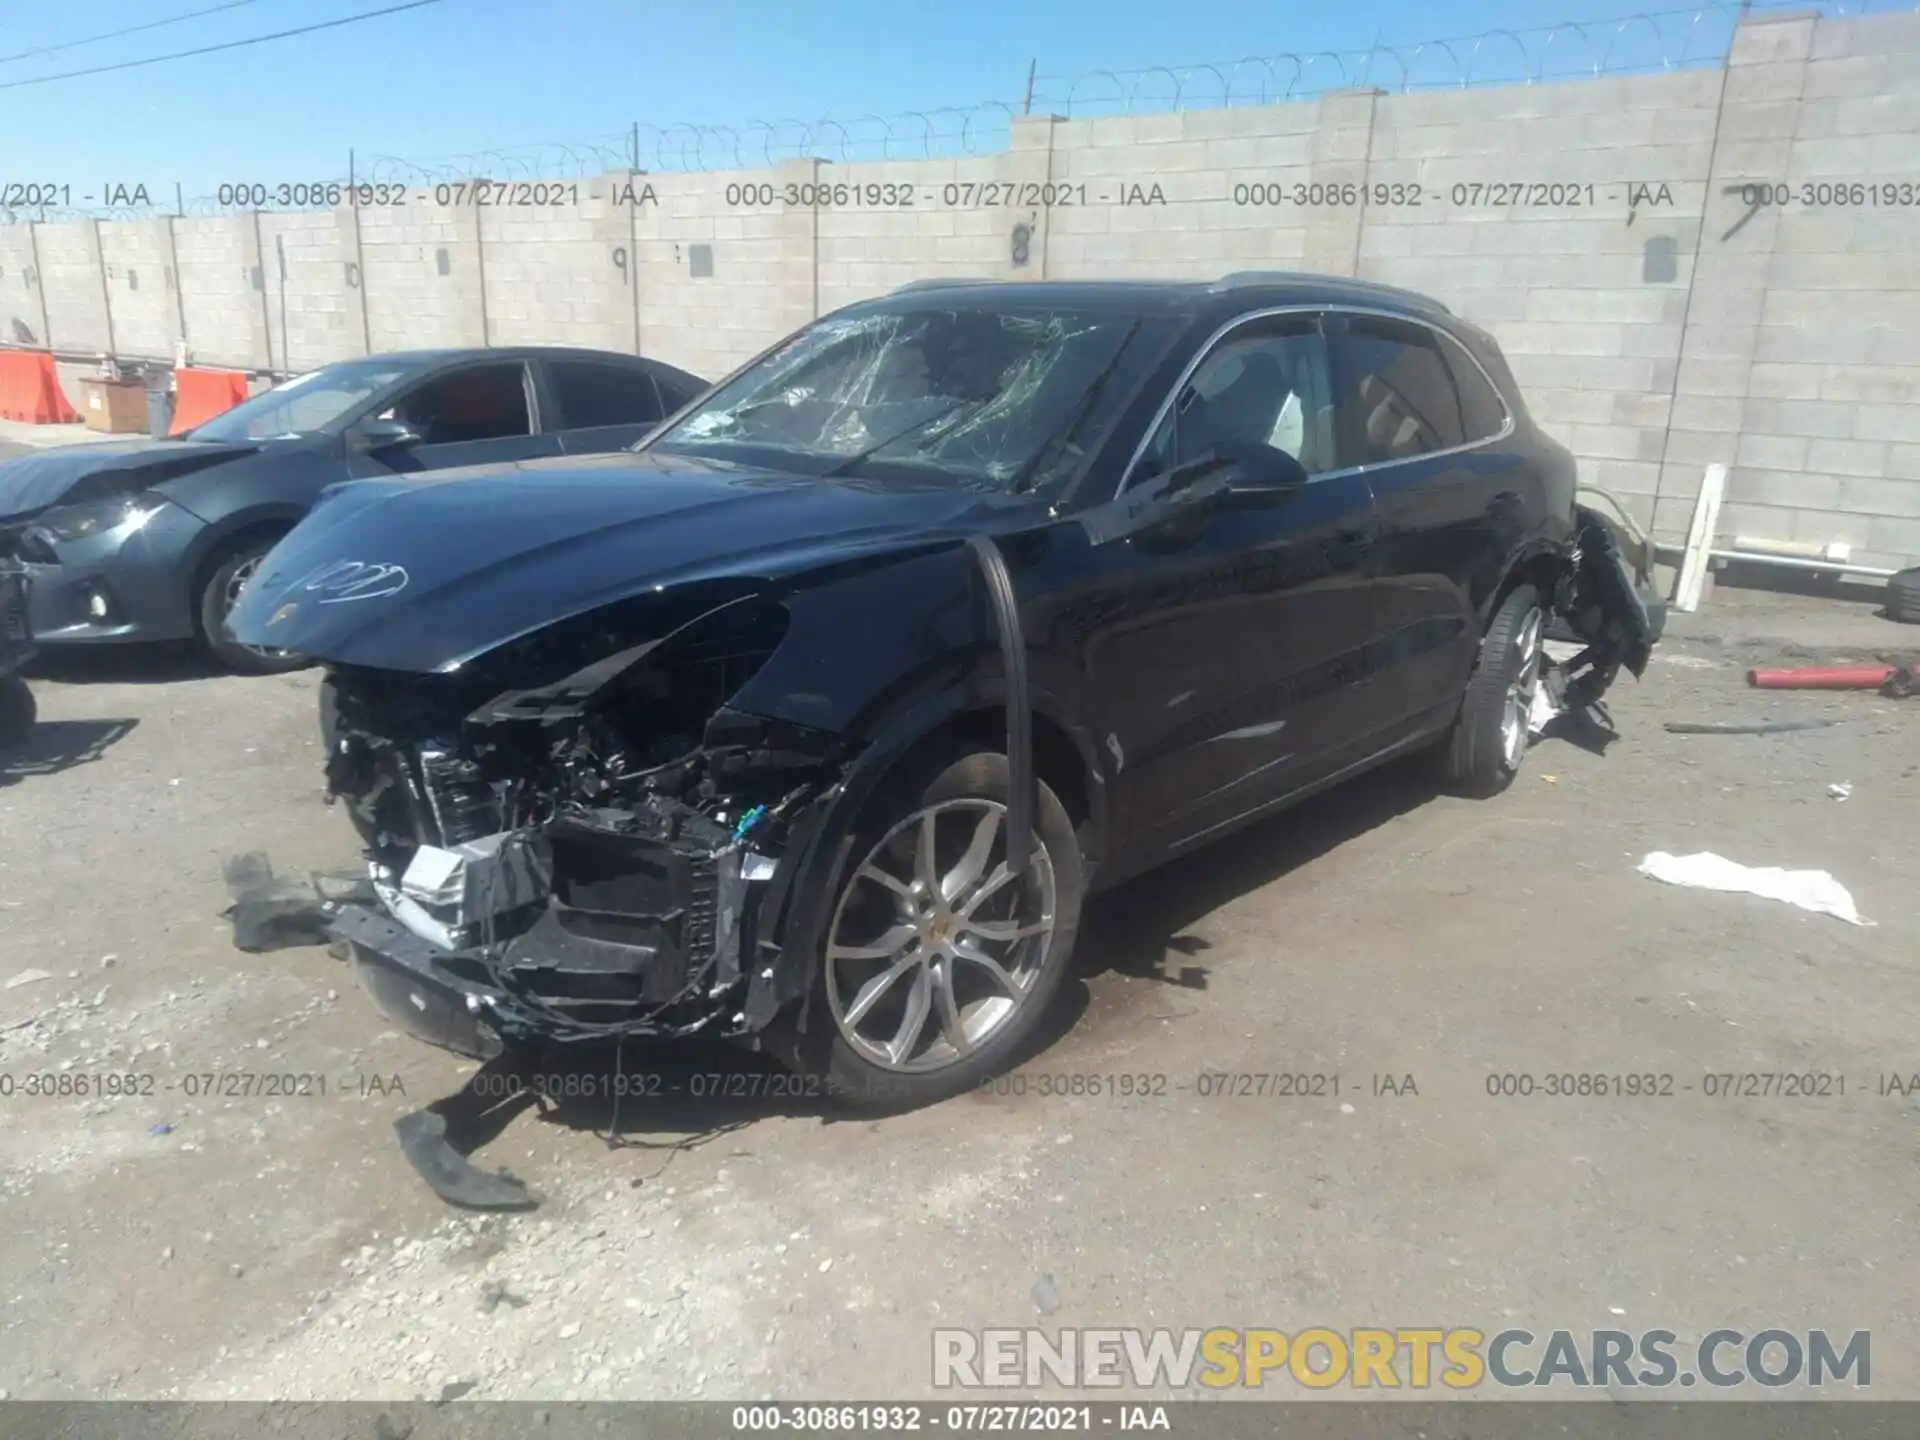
x=1459, y=1358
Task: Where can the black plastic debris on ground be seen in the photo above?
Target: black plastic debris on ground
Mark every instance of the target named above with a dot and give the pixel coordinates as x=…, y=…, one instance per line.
x=278, y=912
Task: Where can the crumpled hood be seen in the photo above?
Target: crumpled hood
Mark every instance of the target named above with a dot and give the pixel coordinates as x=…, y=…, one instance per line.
x=426, y=574
x=75, y=474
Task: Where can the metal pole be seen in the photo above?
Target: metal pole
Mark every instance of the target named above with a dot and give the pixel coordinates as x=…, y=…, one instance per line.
x=106, y=294
x=40, y=285
x=266, y=307
x=286, y=335
x=1033, y=66
x=173, y=271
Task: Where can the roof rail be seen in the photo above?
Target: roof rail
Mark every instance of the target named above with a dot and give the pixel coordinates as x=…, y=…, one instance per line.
x=943, y=282
x=1241, y=278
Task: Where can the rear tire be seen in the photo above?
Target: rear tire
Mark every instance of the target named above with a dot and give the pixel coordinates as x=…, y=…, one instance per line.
x=1489, y=739
x=933, y=973
x=216, y=599
x=1903, y=596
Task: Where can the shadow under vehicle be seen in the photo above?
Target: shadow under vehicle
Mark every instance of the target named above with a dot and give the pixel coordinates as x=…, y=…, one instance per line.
x=811, y=723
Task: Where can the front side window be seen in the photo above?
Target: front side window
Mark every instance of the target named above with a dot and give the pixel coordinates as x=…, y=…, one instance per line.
x=303, y=405
x=1264, y=386
x=1407, y=402
x=481, y=402
x=592, y=394
x=975, y=395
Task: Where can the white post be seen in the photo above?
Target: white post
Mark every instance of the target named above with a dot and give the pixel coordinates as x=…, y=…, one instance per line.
x=1706, y=522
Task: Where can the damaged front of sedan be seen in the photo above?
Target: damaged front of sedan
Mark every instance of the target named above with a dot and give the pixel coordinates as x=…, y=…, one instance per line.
x=810, y=723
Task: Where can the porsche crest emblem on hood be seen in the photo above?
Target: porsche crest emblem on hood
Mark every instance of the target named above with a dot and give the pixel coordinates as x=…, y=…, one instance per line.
x=344, y=580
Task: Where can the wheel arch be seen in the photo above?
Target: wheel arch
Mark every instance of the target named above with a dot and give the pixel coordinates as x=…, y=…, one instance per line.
x=1539, y=563
x=1063, y=757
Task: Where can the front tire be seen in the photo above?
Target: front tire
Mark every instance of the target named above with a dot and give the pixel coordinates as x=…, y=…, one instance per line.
x=1488, y=742
x=217, y=598
x=937, y=965
x=18, y=712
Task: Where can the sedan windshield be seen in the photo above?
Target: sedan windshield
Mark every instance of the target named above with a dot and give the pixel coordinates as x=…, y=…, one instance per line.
x=979, y=395
x=303, y=404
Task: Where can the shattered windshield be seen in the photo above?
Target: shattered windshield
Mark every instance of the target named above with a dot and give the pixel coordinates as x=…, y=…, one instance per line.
x=979, y=394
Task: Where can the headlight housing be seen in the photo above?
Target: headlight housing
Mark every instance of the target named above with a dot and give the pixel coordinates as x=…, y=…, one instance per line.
x=79, y=522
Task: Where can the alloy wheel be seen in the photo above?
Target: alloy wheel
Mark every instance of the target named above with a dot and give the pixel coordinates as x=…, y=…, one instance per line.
x=935, y=944
x=236, y=583
x=1516, y=723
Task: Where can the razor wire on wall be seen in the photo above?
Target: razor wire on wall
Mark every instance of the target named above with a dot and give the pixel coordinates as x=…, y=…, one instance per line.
x=1641, y=43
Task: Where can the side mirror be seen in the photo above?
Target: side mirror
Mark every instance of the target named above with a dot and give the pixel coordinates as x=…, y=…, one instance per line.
x=1253, y=474
x=372, y=435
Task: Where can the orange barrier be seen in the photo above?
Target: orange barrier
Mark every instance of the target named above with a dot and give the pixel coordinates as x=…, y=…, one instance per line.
x=203, y=394
x=30, y=390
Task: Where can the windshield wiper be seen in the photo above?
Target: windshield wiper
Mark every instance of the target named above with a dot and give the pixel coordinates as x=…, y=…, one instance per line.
x=926, y=423
x=1024, y=476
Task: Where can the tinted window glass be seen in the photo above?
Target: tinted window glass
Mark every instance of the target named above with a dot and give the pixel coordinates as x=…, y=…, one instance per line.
x=1257, y=387
x=591, y=395
x=1406, y=400
x=675, y=393
x=304, y=403
x=481, y=402
x=1482, y=412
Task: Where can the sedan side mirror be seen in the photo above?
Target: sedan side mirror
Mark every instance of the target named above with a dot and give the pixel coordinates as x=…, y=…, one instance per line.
x=372, y=435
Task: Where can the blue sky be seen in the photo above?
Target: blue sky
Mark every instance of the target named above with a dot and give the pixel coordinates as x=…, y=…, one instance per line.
x=464, y=75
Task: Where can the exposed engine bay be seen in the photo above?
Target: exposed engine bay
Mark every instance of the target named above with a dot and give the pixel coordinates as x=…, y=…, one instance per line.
x=572, y=861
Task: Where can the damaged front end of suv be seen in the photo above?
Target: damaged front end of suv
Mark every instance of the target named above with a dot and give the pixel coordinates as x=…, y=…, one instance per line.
x=573, y=861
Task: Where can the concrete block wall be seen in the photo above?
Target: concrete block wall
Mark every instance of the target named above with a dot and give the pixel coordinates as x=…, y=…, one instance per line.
x=421, y=266
x=141, y=286
x=1603, y=230
x=312, y=316
x=73, y=286
x=1825, y=442
x=762, y=258
x=1564, y=219
x=222, y=290
x=23, y=318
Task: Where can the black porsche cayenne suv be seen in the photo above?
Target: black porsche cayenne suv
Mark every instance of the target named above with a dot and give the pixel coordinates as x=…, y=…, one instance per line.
x=812, y=721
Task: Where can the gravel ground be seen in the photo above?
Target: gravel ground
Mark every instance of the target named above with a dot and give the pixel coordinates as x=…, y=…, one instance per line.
x=173, y=1244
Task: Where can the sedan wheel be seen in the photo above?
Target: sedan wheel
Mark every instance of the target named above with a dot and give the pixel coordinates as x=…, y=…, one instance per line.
x=222, y=593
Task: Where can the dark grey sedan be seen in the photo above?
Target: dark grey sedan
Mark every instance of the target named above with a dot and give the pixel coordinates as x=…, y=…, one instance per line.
x=151, y=540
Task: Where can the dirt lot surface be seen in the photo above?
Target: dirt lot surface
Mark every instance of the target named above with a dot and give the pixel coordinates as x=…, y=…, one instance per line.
x=185, y=1244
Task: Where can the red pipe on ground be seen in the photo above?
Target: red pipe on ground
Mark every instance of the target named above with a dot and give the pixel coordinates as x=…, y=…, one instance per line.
x=1839, y=677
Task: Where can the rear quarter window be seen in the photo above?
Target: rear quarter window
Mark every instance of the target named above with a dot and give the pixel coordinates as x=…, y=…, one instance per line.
x=1483, y=413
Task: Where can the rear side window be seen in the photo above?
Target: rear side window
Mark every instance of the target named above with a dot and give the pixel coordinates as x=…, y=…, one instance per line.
x=1483, y=413
x=592, y=395
x=1405, y=398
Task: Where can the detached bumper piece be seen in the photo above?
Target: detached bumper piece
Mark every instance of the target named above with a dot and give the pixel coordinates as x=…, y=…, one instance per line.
x=1618, y=619
x=602, y=923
